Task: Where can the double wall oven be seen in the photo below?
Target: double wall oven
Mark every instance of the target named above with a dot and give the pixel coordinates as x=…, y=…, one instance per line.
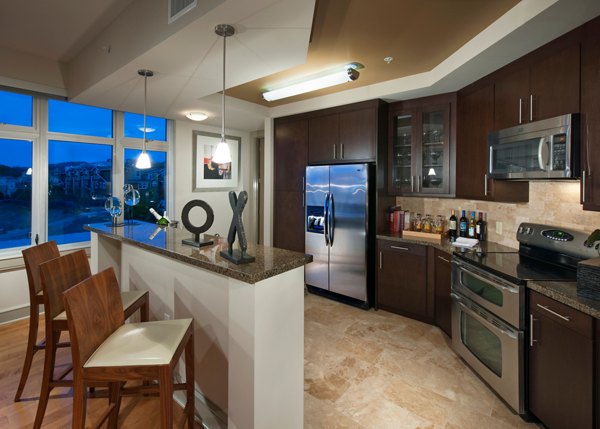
x=489, y=302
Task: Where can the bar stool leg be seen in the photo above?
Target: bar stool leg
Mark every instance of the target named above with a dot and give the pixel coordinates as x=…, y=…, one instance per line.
x=79, y=405
x=190, y=404
x=52, y=339
x=34, y=317
x=165, y=381
x=114, y=397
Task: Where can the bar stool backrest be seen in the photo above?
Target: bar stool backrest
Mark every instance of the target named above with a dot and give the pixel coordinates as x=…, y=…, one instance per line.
x=94, y=310
x=58, y=275
x=33, y=257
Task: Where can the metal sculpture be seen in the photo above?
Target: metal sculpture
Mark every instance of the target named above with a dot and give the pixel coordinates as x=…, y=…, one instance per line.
x=237, y=227
x=197, y=241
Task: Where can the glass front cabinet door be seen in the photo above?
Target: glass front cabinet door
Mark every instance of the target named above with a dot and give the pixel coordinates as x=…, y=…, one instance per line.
x=420, y=151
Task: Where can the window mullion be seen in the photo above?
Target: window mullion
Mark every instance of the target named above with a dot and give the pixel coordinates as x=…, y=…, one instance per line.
x=40, y=173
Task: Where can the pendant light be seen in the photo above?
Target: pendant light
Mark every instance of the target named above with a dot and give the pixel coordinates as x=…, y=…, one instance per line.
x=222, y=153
x=143, y=160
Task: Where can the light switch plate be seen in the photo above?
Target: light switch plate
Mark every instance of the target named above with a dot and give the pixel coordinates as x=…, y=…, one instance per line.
x=498, y=228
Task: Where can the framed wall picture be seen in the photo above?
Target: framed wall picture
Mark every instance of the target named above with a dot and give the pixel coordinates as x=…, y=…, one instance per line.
x=207, y=175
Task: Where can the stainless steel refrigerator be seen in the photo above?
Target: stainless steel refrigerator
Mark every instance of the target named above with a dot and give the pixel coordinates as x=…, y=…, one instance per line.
x=337, y=232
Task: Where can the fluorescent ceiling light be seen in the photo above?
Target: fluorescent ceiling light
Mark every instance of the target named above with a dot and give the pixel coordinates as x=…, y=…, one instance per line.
x=196, y=116
x=326, y=81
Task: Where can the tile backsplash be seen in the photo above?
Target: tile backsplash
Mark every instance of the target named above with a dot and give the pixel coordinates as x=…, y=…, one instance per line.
x=553, y=202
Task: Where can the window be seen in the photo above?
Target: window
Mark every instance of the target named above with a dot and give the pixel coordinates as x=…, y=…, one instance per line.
x=79, y=180
x=73, y=173
x=156, y=128
x=65, y=117
x=16, y=109
x=15, y=192
x=150, y=196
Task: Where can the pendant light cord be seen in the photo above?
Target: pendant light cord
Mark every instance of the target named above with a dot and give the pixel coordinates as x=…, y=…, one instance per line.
x=223, y=103
x=145, y=101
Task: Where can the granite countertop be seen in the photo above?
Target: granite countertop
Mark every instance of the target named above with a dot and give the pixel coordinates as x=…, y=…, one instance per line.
x=166, y=241
x=566, y=293
x=446, y=245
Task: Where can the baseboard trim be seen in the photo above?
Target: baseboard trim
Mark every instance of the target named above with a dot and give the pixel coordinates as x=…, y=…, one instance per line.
x=14, y=314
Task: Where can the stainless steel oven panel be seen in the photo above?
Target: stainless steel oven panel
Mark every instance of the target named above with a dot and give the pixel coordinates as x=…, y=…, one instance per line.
x=510, y=297
x=510, y=385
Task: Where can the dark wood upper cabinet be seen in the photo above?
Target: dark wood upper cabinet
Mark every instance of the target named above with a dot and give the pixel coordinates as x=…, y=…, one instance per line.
x=421, y=156
x=345, y=134
x=590, y=116
x=290, y=154
x=324, y=136
x=511, y=99
x=540, y=85
x=475, y=120
x=358, y=134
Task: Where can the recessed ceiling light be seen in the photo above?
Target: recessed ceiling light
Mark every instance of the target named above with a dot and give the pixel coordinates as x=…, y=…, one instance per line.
x=197, y=116
x=388, y=60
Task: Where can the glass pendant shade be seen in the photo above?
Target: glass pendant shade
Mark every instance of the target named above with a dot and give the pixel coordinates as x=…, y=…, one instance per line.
x=222, y=153
x=143, y=161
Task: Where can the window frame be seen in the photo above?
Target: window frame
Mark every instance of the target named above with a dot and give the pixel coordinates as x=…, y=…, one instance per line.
x=39, y=135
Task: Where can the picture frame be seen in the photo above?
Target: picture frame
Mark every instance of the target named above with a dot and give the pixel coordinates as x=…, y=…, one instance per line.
x=206, y=175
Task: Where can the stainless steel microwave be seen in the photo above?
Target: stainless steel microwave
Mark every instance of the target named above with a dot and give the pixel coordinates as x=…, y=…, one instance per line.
x=547, y=149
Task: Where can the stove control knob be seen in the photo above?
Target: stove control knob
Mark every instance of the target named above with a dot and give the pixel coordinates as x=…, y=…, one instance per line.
x=528, y=230
x=520, y=230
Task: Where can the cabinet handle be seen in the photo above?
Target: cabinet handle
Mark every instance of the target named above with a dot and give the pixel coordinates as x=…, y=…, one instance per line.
x=520, y=111
x=419, y=183
x=565, y=318
x=399, y=248
x=485, y=185
x=412, y=183
x=334, y=151
x=380, y=260
x=341, y=150
x=531, y=340
x=530, y=107
x=443, y=259
x=583, y=186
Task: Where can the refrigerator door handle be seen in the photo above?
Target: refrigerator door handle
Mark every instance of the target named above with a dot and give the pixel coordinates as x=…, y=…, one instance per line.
x=326, y=219
x=331, y=219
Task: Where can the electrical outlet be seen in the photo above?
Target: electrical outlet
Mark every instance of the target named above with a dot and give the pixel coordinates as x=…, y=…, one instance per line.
x=166, y=316
x=498, y=228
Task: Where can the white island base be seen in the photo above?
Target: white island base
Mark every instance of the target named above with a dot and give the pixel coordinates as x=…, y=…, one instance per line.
x=249, y=338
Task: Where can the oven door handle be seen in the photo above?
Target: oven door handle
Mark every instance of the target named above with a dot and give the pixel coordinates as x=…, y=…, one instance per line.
x=490, y=280
x=491, y=326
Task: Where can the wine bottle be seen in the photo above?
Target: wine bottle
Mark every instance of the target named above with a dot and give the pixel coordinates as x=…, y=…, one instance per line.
x=480, y=228
x=452, y=226
x=462, y=225
x=471, y=231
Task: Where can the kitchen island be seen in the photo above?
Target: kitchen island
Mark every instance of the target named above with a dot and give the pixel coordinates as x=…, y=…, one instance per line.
x=248, y=319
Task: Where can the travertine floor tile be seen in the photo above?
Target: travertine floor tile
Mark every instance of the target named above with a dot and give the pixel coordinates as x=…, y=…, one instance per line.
x=377, y=370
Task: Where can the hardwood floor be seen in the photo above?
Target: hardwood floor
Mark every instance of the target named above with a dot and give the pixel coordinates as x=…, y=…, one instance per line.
x=136, y=412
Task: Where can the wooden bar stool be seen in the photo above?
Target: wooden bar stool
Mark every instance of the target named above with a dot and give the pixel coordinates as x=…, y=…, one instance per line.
x=58, y=275
x=33, y=257
x=106, y=350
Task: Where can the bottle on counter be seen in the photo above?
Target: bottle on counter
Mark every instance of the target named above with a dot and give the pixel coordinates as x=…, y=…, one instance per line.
x=427, y=223
x=462, y=225
x=452, y=232
x=418, y=223
x=480, y=228
x=472, y=226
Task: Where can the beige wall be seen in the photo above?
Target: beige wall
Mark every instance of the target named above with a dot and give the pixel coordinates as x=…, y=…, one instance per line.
x=555, y=203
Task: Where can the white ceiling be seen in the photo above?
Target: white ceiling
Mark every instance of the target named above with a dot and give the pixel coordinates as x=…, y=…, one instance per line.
x=98, y=46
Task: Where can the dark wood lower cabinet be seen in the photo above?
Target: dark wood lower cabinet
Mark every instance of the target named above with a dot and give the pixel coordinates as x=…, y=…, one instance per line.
x=402, y=280
x=561, y=367
x=442, y=279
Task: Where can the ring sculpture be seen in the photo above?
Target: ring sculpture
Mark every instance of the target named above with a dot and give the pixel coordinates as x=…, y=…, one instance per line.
x=197, y=241
x=237, y=227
